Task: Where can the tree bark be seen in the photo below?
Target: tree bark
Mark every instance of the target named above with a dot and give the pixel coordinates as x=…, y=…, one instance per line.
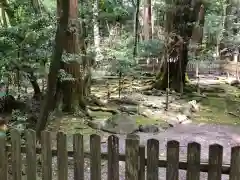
x=136, y=24
x=96, y=30
x=180, y=19
x=69, y=86
x=36, y=7
x=54, y=68
x=147, y=21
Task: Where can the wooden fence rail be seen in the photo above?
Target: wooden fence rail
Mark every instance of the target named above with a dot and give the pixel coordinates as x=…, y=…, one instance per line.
x=135, y=160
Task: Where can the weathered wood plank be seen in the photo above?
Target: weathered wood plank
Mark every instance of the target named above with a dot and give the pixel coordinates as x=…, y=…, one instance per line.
x=46, y=155
x=131, y=161
x=78, y=150
x=141, y=174
x=95, y=150
x=16, y=155
x=3, y=159
x=152, y=159
x=31, y=157
x=215, y=162
x=113, y=160
x=172, y=160
x=62, y=158
x=193, y=161
x=235, y=164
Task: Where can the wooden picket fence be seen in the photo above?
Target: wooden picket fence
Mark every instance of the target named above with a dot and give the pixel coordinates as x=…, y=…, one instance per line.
x=204, y=67
x=135, y=159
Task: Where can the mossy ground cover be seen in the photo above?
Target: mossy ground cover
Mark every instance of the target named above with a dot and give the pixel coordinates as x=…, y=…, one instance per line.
x=220, y=104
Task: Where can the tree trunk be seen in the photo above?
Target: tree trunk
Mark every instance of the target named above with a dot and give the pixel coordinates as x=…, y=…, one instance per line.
x=69, y=86
x=96, y=30
x=36, y=7
x=147, y=20
x=33, y=81
x=232, y=15
x=136, y=24
x=9, y=11
x=54, y=68
x=179, y=28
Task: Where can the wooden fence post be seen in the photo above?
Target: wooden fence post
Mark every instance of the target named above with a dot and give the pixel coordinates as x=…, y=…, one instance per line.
x=95, y=150
x=215, y=162
x=46, y=155
x=172, y=160
x=141, y=174
x=193, y=161
x=78, y=151
x=235, y=164
x=3, y=159
x=31, y=154
x=16, y=155
x=113, y=158
x=62, y=156
x=131, y=154
x=152, y=159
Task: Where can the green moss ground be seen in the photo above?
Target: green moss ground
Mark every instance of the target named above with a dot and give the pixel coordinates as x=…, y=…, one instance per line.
x=219, y=106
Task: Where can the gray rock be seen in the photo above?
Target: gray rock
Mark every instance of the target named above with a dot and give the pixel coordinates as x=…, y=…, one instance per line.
x=149, y=129
x=129, y=109
x=188, y=121
x=181, y=118
x=120, y=124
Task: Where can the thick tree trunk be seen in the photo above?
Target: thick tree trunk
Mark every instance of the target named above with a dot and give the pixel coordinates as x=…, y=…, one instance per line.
x=69, y=86
x=54, y=68
x=177, y=69
x=179, y=27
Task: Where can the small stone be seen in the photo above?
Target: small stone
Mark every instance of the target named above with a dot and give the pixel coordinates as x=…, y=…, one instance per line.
x=187, y=122
x=181, y=118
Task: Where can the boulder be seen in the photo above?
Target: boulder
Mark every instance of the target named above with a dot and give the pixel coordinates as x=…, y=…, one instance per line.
x=120, y=124
x=149, y=129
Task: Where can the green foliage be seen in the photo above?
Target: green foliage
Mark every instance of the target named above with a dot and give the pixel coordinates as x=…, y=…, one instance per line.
x=19, y=120
x=150, y=48
x=27, y=45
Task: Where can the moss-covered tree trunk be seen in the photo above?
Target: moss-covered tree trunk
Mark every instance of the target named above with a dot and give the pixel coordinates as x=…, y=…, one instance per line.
x=69, y=86
x=180, y=19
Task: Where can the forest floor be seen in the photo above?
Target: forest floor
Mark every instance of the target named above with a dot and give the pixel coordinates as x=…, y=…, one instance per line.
x=218, y=103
